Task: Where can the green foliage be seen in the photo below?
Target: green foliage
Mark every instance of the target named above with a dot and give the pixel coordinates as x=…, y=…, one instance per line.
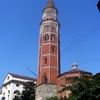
x=17, y=98
x=52, y=98
x=97, y=76
x=84, y=89
x=28, y=93
x=56, y=98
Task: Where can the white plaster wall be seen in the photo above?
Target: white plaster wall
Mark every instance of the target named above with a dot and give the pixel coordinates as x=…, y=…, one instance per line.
x=0, y=96
x=12, y=87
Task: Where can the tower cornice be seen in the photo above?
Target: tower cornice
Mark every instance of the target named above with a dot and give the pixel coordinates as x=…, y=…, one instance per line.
x=50, y=20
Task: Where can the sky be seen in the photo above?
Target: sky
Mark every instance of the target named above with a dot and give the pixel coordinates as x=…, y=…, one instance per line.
x=19, y=35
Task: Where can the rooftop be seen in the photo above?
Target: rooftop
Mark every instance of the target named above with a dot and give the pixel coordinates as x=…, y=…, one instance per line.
x=75, y=70
x=22, y=77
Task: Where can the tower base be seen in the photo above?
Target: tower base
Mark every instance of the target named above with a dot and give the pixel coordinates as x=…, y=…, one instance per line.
x=45, y=91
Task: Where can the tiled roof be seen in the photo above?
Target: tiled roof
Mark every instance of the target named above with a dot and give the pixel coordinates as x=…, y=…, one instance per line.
x=76, y=71
x=50, y=4
x=22, y=77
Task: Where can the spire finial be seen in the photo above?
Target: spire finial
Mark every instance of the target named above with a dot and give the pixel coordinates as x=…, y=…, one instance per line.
x=50, y=4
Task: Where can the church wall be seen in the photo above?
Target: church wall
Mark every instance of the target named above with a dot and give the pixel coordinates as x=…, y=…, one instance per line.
x=45, y=91
x=66, y=79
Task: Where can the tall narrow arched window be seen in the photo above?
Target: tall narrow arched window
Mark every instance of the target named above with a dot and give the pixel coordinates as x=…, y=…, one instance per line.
x=67, y=80
x=46, y=37
x=52, y=49
x=46, y=27
x=53, y=28
x=8, y=91
x=52, y=37
x=45, y=60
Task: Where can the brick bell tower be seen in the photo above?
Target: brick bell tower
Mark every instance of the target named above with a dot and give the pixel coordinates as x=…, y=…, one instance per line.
x=49, y=53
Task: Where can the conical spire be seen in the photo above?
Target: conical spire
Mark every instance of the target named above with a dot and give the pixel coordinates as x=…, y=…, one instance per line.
x=50, y=4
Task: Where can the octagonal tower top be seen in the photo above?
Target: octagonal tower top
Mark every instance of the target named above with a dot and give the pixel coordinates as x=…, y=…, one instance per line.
x=50, y=4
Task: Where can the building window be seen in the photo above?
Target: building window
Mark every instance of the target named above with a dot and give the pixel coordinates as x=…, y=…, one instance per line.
x=8, y=78
x=8, y=97
x=17, y=92
x=41, y=40
x=45, y=60
x=3, y=98
x=17, y=85
x=46, y=28
x=69, y=80
x=52, y=37
x=46, y=37
x=53, y=49
x=53, y=28
x=4, y=94
x=8, y=91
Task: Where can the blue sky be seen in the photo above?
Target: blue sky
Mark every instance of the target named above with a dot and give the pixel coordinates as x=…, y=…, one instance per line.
x=19, y=35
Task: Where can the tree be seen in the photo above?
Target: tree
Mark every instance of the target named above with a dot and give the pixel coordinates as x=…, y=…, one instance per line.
x=56, y=98
x=52, y=98
x=84, y=88
x=97, y=76
x=28, y=93
x=17, y=98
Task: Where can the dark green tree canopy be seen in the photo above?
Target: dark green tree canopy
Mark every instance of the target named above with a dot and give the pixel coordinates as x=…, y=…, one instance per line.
x=52, y=98
x=84, y=88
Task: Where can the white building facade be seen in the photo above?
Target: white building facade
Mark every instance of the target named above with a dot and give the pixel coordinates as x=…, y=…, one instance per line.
x=0, y=92
x=13, y=85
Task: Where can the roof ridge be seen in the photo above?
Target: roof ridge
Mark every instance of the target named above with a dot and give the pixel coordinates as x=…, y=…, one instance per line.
x=21, y=76
x=75, y=70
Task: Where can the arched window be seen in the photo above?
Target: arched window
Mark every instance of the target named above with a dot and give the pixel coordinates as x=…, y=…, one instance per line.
x=46, y=27
x=45, y=60
x=17, y=85
x=52, y=37
x=17, y=92
x=53, y=49
x=8, y=91
x=46, y=37
x=47, y=13
x=3, y=98
x=8, y=78
x=53, y=28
